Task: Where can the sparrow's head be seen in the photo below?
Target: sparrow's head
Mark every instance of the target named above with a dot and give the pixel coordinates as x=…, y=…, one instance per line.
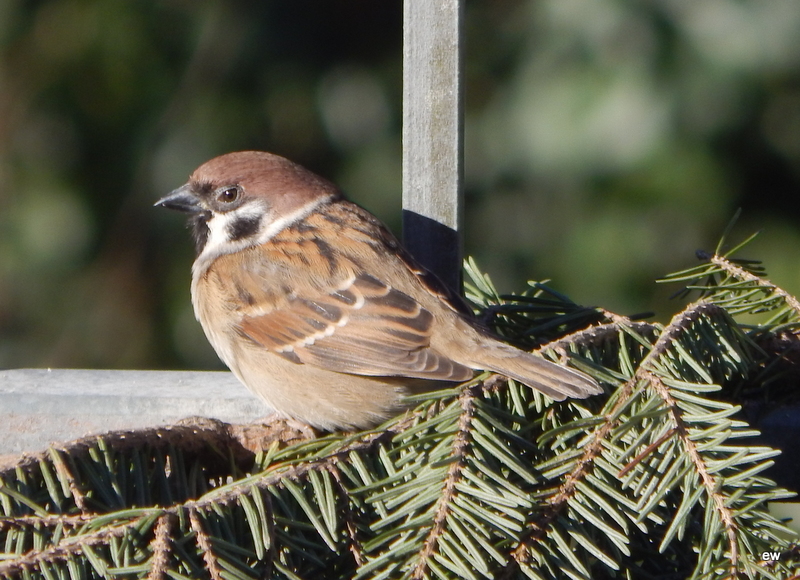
x=242, y=199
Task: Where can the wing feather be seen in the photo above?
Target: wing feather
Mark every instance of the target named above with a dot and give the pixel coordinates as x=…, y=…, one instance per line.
x=363, y=327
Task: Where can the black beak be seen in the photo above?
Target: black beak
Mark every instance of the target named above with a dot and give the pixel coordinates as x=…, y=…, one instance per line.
x=182, y=199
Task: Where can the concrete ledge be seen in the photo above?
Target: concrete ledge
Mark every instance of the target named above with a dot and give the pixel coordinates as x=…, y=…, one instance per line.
x=42, y=406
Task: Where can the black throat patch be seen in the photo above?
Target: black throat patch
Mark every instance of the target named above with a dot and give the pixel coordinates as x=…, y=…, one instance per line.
x=244, y=227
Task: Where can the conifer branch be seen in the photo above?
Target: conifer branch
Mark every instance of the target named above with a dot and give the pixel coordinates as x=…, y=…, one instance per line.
x=48, y=521
x=709, y=481
x=594, y=335
x=557, y=503
x=68, y=547
x=354, y=544
x=294, y=471
x=461, y=442
x=271, y=536
x=161, y=547
x=62, y=468
x=647, y=451
x=738, y=272
x=205, y=545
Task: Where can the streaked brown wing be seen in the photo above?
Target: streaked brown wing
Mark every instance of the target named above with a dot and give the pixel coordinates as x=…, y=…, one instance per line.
x=364, y=327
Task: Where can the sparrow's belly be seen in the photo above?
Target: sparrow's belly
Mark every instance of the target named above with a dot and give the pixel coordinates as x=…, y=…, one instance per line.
x=322, y=398
x=318, y=397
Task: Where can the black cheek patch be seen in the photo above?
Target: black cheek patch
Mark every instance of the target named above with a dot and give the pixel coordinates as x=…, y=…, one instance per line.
x=244, y=227
x=199, y=225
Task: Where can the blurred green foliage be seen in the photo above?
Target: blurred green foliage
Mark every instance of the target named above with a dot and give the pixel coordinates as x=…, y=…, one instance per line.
x=605, y=143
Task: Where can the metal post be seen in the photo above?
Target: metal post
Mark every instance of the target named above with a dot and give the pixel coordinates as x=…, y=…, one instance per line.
x=433, y=135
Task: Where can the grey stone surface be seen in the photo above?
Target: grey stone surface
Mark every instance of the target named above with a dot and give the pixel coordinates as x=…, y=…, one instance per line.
x=42, y=406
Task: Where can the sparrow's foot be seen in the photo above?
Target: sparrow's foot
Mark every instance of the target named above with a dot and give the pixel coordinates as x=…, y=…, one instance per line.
x=261, y=434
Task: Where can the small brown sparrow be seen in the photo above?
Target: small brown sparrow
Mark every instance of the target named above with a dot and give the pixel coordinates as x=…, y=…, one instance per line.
x=318, y=309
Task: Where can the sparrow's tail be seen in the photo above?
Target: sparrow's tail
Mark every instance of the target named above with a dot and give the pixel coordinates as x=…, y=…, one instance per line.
x=555, y=381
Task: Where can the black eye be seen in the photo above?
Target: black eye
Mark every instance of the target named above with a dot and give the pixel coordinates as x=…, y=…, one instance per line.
x=229, y=194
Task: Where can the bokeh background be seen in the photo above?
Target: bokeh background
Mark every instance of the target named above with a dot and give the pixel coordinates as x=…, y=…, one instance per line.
x=605, y=143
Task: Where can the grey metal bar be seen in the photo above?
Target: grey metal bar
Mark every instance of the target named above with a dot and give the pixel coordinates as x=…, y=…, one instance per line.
x=41, y=406
x=433, y=135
